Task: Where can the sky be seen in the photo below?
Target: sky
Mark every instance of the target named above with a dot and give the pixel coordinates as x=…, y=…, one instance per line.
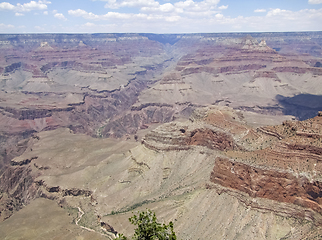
x=160, y=16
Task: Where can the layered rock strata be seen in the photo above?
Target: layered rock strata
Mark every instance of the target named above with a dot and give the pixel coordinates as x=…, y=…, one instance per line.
x=280, y=163
x=271, y=184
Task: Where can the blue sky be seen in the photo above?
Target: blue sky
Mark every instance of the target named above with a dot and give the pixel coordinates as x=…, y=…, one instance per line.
x=159, y=16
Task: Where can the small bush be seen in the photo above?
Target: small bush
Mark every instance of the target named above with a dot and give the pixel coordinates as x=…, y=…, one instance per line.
x=149, y=229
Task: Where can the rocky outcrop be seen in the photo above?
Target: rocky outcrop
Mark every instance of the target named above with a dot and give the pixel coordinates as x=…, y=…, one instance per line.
x=76, y=192
x=269, y=132
x=108, y=228
x=172, y=78
x=315, y=71
x=57, y=192
x=211, y=139
x=142, y=106
x=228, y=69
x=268, y=183
x=17, y=188
x=31, y=114
x=22, y=161
x=175, y=136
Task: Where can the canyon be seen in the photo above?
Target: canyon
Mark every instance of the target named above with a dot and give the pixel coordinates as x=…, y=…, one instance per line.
x=219, y=133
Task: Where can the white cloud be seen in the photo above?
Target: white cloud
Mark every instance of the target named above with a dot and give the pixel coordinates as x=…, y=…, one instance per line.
x=202, y=16
x=39, y=28
x=89, y=24
x=60, y=16
x=25, y=7
x=167, y=18
x=6, y=6
x=186, y=6
x=2, y=25
x=223, y=7
x=191, y=6
x=219, y=16
x=167, y=7
x=259, y=10
x=315, y=1
x=277, y=11
x=109, y=15
x=113, y=4
x=286, y=20
x=45, y=12
x=173, y=19
x=17, y=14
x=117, y=15
x=82, y=13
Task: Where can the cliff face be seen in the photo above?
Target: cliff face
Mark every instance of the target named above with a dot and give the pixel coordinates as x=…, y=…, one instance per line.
x=176, y=136
x=270, y=184
x=17, y=188
x=287, y=170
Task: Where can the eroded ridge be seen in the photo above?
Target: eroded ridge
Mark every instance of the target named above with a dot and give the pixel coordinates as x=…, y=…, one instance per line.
x=175, y=136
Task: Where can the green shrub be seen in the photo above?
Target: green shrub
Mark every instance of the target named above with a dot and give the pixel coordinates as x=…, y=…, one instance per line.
x=149, y=229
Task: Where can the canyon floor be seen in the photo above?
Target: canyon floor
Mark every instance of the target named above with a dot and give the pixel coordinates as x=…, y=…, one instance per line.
x=219, y=133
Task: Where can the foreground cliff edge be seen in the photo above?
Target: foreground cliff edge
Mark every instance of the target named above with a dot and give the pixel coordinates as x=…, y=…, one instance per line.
x=94, y=127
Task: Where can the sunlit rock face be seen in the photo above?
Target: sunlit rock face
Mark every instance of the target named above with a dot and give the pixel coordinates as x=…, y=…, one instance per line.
x=201, y=128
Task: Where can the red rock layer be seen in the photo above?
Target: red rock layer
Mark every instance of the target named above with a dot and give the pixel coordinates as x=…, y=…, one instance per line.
x=270, y=184
x=174, y=137
x=211, y=139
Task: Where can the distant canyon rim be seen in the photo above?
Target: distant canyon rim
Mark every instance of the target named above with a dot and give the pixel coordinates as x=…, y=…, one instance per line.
x=219, y=133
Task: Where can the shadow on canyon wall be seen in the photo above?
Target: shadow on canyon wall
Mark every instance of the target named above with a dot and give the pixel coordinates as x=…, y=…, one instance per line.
x=302, y=106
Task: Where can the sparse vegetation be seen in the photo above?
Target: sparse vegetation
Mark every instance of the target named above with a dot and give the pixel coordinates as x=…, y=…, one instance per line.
x=130, y=208
x=149, y=229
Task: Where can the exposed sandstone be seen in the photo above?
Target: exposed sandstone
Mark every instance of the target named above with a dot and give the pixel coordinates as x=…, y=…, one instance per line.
x=181, y=136
x=268, y=183
x=211, y=139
